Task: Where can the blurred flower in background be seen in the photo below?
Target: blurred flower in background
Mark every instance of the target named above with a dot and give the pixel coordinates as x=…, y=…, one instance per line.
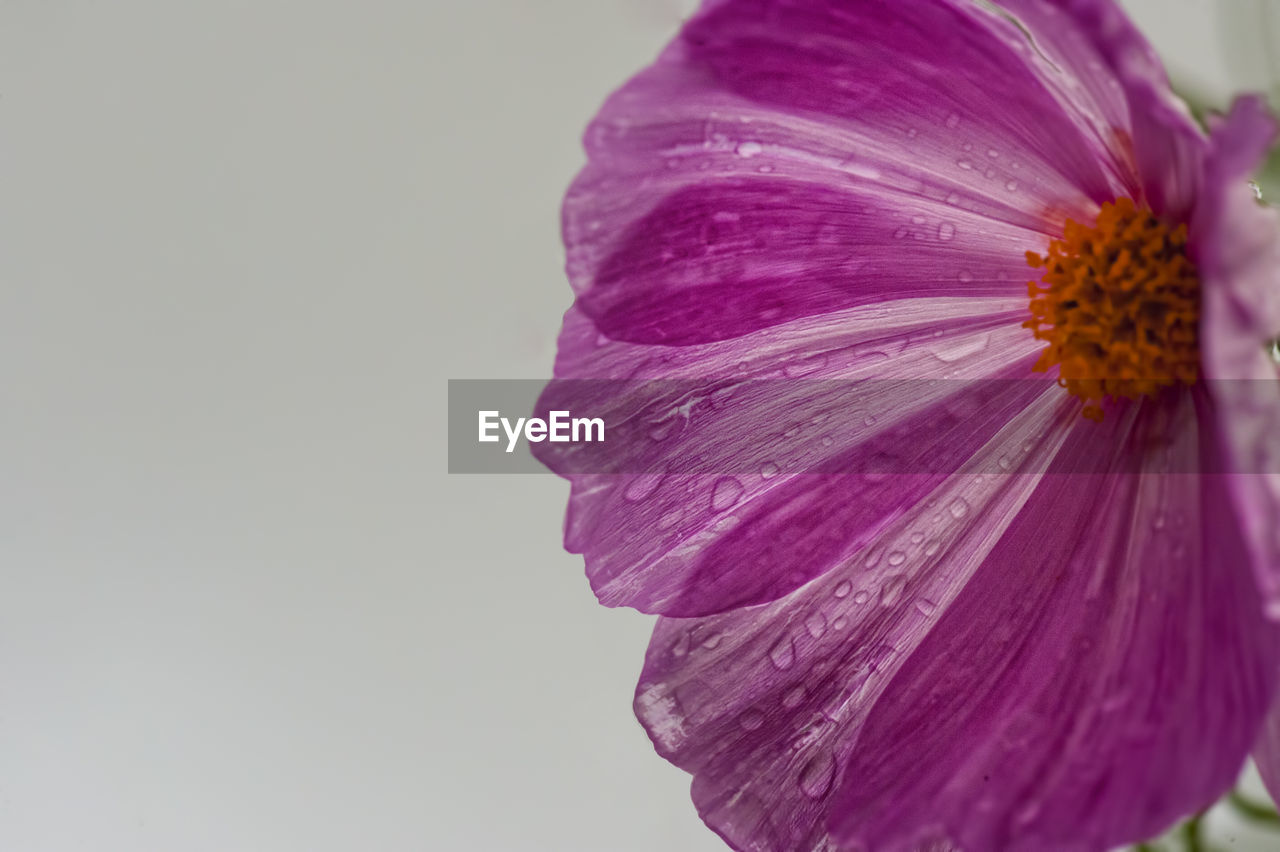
x=1249, y=31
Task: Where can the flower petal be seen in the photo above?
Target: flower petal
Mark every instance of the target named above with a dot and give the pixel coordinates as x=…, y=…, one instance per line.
x=1238, y=253
x=1091, y=45
x=779, y=158
x=935, y=695
x=731, y=492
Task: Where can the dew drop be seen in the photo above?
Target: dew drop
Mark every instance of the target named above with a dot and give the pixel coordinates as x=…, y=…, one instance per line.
x=900, y=233
x=946, y=232
x=817, y=776
x=873, y=558
x=1012, y=186
x=713, y=641
x=749, y=149
x=783, y=653
x=751, y=720
x=770, y=470
x=896, y=558
x=862, y=597
x=891, y=591
x=932, y=547
x=958, y=508
x=725, y=493
x=964, y=277
x=953, y=121
x=840, y=623
x=842, y=590
x=816, y=624
x=793, y=698
x=965, y=164
x=680, y=647
x=926, y=607
x=993, y=153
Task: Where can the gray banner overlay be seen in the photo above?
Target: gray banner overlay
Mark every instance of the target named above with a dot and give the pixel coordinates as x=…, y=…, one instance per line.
x=871, y=427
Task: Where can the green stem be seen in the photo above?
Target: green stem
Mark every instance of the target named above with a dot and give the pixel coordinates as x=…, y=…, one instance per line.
x=1192, y=835
x=1253, y=811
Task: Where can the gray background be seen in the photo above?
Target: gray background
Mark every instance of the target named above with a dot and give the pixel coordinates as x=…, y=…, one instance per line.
x=244, y=244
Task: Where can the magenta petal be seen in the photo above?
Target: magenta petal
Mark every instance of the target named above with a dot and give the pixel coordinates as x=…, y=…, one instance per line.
x=989, y=678
x=723, y=259
x=697, y=544
x=1085, y=691
x=1097, y=45
x=755, y=174
x=1238, y=247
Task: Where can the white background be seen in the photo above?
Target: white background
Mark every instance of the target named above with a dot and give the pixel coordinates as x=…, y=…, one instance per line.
x=243, y=607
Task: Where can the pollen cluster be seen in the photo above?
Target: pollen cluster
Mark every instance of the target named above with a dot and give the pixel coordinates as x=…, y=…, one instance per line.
x=1119, y=306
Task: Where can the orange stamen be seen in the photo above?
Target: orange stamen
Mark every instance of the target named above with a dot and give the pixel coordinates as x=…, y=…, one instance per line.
x=1119, y=306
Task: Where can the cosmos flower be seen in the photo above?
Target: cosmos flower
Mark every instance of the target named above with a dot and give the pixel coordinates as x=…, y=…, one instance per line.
x=1070, y=653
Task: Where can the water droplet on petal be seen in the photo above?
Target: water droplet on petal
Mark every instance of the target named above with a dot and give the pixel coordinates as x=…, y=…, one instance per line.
x=953, y=121
x=713, y=641
x=842, y=590
x=751, y=720
x=1012, y=186
x=891, y=591
x=964, y=277
x=749, y=149
x=926, y=607
x=873, y=558
x=946, y=232
x=958, y=508
x=783, y=653
x=897, y=558
x=770, y=470
x=817, y=776
x=725, y=493
x=816, y=624
x=862, y=597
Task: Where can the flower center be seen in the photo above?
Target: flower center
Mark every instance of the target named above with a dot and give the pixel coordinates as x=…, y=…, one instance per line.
x=1119, y=306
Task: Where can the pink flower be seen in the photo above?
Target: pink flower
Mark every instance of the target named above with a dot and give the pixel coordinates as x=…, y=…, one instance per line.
x=1033, y=659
